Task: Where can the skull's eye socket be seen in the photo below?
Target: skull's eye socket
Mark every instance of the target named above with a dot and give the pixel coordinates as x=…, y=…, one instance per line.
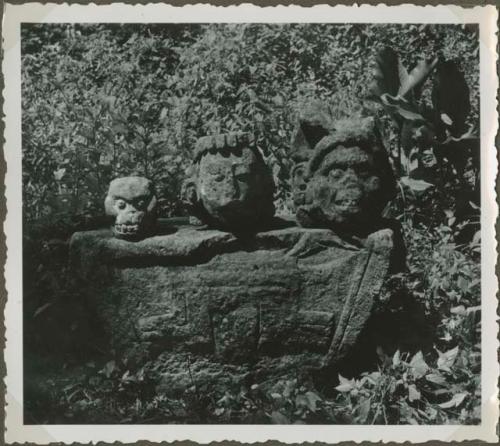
x=120, y=204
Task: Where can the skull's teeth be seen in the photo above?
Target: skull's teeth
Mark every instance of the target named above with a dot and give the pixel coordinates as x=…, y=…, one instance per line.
x=126, y=229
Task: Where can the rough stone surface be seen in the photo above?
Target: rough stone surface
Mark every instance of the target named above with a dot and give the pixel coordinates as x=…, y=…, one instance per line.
x=348, y=180
x=229, y=186
x=313, y=124
x=294, y=293
x=132, y=202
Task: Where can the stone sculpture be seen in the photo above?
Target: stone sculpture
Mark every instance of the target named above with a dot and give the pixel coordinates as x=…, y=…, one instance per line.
x=313, y=124
x=232, y=299
x=132, y=202
x=349, y=180
x=230, y=186
x=244, y=309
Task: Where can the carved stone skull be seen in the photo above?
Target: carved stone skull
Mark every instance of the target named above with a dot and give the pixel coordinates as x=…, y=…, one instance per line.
x=132, y=201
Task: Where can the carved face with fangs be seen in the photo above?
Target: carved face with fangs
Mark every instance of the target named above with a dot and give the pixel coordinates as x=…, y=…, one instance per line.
x=132, y=201
x=349, y=179
x=347, y=185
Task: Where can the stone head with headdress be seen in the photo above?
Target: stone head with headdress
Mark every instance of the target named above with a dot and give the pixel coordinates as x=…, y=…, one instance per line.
x=349, y=178
x=230, y=186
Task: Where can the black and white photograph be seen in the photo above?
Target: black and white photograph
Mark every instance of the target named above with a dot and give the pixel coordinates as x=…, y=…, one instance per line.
x=254, y=223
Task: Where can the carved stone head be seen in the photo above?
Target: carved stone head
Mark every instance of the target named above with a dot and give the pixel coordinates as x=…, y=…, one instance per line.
x=349, y=179
x=132, y=201
x=231, y=187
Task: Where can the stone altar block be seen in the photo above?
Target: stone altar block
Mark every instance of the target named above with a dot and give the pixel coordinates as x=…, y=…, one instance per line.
x=300, y=293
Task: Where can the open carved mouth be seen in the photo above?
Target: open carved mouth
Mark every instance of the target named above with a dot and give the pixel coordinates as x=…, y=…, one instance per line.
x=124, y=229
x=347, y=204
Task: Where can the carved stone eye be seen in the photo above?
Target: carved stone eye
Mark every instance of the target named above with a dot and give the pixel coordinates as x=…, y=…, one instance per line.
x=120, y=204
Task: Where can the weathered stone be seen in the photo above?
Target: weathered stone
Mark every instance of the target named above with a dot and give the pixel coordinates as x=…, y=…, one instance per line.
x=132, y=202
x=298, y=182
x=349, y=180
x=313, y=124
x=295, y=292
x=229, y=186
x=180, y=372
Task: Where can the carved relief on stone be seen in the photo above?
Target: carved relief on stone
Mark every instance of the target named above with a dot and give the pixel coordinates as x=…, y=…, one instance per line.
x=230, y=187
x=132, y=202
x=233, y=300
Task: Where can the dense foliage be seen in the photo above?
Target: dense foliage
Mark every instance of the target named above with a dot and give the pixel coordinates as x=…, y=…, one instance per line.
x=101, y=101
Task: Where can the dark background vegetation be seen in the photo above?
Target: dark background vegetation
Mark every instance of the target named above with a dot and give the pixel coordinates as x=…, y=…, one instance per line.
x=100, y=101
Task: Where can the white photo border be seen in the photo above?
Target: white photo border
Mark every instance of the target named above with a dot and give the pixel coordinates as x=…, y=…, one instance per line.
x=16, y=431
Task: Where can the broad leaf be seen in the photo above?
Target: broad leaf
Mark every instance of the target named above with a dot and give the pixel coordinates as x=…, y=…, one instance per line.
x=450, y=98
x=279, y=418
x=476, y=240
x=454, y=402
x=447, y=359
x=413, y=393
x=345, y=385
x=385, y=73
x=436, y=378
x=59, y=174
x=415, y=185
x=396, y=359
x=312, y=400
x=419, y=366
x=400, y=106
